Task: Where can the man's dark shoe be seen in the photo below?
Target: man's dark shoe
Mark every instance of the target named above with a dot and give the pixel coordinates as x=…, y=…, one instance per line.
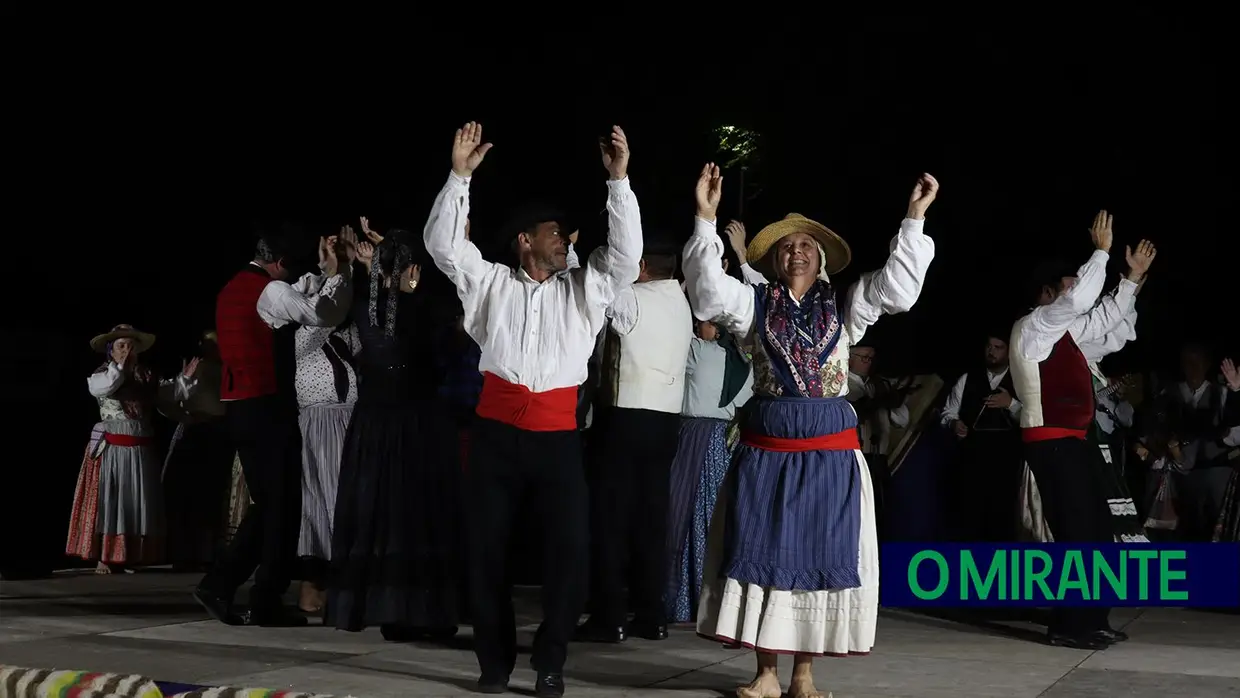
x=592, y=631
x=1112, y=635
x=492, y=684
x=549, y=685
x=218, y=607
x=1091, y=641
x=648, y=631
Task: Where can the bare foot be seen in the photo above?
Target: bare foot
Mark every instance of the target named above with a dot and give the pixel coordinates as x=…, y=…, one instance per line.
x=764, y=685
x=312, y=599
x=803, y=687
x=102, y=568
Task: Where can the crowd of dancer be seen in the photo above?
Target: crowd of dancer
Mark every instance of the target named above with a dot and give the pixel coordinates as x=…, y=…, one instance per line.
x=705, y=444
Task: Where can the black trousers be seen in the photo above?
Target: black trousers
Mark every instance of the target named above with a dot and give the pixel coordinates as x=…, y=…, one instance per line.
x=507, y=465
x=629, y=493
x=1075, y=505
x=268, y=440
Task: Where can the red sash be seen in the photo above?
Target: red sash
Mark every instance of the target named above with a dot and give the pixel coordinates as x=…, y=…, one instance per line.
x=1035, y=434
x=841, y=441
x=128, y=440
x=520, y=407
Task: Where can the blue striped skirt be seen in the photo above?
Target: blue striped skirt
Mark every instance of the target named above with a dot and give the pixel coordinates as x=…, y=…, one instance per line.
x=795, y=518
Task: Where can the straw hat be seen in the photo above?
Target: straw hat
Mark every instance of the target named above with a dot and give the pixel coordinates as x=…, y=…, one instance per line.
x=838, y=252
x=141, y=340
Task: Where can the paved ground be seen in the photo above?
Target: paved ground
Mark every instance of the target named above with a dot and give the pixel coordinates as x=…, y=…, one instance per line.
x=147, y=624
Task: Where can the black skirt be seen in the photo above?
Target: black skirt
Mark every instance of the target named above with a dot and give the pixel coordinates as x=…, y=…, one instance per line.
x=396, y=535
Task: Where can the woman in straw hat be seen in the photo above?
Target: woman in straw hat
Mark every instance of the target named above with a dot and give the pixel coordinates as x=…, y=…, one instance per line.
x=797, y=572
x=117, y=517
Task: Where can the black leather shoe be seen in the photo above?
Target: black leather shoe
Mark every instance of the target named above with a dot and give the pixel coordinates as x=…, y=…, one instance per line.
x=549, y=685
x=492, y=685
x=648, y=631
x=218, y=607
x=591, y=631
x=1112, y=635
x=275, y=617
x=1092, y=641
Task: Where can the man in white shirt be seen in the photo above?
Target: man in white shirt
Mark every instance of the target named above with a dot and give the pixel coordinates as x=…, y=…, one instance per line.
x=1052, y=377
x=644, y=367
x=536, y=328
x=983, y=412
x=261, y=415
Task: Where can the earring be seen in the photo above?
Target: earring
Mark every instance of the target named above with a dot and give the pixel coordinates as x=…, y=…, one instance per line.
x=413, y=283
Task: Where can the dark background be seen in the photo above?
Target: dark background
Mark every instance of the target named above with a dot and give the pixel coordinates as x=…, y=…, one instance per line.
x=142, y=158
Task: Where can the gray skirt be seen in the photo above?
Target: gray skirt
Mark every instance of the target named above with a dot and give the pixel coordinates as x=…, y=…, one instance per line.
x=322, y=439
x=130, y=515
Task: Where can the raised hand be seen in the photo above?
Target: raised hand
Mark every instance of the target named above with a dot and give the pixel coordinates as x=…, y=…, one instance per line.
x=365, y=253
x=572, y=237
x=924, y=193
x=616, y=153
x=188, y=369
x=1101, y=232
x=1231, y=374
x=373, y=237
x=346, y=244
x=736, y=237
x=709, y=190
x=327, y=255
x=468, y=150
x=1139, y=260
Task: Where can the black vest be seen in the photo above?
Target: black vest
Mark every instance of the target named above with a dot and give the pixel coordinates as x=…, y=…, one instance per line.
x=976, y=390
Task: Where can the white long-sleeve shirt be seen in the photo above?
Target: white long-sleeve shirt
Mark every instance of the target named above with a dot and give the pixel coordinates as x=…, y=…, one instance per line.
x=951, y=409
x=314, y=299
x=1077, y=312
x=893, y=289
x=539, y=335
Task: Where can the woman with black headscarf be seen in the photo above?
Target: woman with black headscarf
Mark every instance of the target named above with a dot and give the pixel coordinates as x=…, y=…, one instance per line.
x=394, y=539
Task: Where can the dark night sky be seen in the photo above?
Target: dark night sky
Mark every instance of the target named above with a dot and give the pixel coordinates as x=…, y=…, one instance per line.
x=137, y=156
x=148, y=157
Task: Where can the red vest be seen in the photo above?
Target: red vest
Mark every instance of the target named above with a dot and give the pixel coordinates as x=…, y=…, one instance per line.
x=246, y=342
x=1067, y=392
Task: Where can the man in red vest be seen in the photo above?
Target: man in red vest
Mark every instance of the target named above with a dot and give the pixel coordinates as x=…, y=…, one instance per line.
x=536, y=326
x=262, y=419
x=1052, y=377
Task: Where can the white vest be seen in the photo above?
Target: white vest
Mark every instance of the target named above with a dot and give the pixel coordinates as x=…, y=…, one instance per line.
x=651, y=366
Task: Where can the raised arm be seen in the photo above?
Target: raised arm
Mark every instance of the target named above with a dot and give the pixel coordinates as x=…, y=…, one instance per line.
x=735, y=232
x=1048, y=323
x=446, y=236
x=713, y=294
x=896, y=287
x=616, y=265
x=309, y=302
x=1111, y=323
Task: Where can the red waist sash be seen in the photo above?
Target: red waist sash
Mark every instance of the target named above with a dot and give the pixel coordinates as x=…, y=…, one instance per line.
x=520, y=407
x=1036, y=434
x=128, y=440
x=846, y=440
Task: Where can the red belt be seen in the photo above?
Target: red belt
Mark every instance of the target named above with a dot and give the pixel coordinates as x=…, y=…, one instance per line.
x=1036, y=434
x=841, y=441
x=518, y=406
x=128, y=440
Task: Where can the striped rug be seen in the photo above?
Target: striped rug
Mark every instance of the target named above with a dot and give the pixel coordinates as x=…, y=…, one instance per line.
x=19, y=682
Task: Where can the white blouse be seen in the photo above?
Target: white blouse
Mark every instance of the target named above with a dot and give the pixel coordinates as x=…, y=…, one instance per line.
x=539, y=335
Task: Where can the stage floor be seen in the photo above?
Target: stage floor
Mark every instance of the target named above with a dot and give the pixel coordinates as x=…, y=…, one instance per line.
x=147, y=624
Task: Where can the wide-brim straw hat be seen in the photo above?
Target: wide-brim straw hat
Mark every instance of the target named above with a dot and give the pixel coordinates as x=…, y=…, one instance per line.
x=141, y=340
x=837, y=251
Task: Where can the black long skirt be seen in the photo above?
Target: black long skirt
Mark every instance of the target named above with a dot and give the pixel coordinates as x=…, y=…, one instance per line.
x=396, y=536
